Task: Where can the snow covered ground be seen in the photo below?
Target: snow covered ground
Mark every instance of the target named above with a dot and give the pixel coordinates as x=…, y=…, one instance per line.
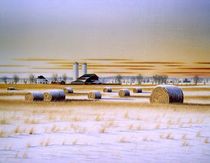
x=110, y=130
x=104, y=134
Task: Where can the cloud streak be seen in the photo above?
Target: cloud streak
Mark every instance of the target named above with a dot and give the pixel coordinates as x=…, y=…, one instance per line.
x=187, y=73
x=22, y=72
x=195, y=68
x=150, y=62
x=49, y=68
x=106, y=59
x=204, y=63
x=115, y=72
x=12, y=65
x=39, y=59
x=139, y=69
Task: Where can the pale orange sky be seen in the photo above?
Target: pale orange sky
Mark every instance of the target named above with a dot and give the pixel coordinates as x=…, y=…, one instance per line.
x=105, y=67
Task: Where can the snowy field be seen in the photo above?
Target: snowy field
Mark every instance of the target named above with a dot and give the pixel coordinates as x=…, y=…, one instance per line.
x=110, y=130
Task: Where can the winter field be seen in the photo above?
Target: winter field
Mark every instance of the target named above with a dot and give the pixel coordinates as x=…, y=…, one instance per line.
x=111, y=129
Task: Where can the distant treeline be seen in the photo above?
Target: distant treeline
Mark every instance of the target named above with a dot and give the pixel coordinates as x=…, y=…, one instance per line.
x=118, y=79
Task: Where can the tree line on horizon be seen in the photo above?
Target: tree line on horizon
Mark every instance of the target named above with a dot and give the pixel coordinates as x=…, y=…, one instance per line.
x=32, y=79
x=156, y=79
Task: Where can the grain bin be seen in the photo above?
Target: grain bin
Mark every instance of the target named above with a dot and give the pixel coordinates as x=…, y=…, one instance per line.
x=167, y=94
x=137, y=90
x=68, y=90
x=124, y=92
x=107, y=89
x=94, y=95
x=84, y=68
x=75, y=71
x=54, y=95
x=34, y=96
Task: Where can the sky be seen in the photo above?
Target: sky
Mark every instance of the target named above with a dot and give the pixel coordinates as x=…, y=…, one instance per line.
x=113, y=36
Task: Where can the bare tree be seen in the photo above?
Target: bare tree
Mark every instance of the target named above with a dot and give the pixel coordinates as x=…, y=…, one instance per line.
x=139, y=78
x=4, y=78
x=55, y=77
x=164, y=79
x=31, y=78
x=64, y=77
x=118, y=79
x=25, y=81
x=132, y=79
x=16, y=79
x=196, y=79
x=160, y=79
x=155, y=79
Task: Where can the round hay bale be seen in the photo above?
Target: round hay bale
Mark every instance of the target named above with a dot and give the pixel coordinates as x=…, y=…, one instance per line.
x=54, y=95
x=11, y=88
x=107, y=89
x=68, y=90
x=137, y=90
x=167, y=94
x=124, y=92
x=34, y=96
x=94, y=95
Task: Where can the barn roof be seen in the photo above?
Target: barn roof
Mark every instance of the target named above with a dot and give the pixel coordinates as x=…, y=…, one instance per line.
x=41, y=77
x=86, y=76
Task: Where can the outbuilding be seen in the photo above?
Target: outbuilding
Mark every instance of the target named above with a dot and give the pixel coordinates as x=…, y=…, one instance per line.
x=41, y=80
x=87, y=79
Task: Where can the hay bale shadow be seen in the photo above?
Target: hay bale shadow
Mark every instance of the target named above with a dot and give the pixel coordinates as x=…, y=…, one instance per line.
x=71, y=100
x=118, y=99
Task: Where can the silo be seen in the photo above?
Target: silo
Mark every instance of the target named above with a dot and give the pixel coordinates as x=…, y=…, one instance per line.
x=84, y=68
x=75, y=71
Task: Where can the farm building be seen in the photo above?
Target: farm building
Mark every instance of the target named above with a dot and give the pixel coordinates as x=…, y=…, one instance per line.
x=87, y=79
x=41, y=80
